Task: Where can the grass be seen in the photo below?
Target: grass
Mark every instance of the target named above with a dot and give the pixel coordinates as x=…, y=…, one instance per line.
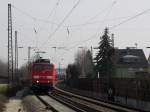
x=3, y=100
x=5, y=93
x=3, y=88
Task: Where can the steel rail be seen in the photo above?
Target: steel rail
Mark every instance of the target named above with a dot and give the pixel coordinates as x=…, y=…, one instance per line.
x=48, y=106
x=96, y=102
x=67, y=103
x=73, y=105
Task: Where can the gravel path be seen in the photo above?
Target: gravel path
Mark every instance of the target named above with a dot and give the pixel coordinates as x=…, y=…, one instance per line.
x=14, y=105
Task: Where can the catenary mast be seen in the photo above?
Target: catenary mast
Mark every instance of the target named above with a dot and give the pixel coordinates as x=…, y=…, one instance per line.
x=10, y=46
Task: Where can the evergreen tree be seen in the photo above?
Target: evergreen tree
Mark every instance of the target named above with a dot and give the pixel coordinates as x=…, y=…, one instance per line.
x=103, y=58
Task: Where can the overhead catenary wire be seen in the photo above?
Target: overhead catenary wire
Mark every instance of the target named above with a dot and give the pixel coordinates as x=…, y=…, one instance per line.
x=93, y=36
x=131, y=18
x=123, y=22
x=23, y=12
x=32, y=17
x=117, y=25
x=54, y=8
x=74, y=46
x=109, y=11
x=92, y=18
x=114, y=26
x=66, y=26
x=85, y=24
x=95, y=22
x=54, y=23
x=57, y=28
x=50, y=14
x=35, y=19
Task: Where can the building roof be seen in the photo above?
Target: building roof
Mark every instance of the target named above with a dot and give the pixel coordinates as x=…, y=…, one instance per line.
x=130, y=58
x=149, y=59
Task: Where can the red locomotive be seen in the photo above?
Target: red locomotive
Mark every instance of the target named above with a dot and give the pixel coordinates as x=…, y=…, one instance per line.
x=43, y=75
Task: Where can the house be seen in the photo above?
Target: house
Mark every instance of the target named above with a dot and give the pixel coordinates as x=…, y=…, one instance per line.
x=149, y=64
x=129, y=63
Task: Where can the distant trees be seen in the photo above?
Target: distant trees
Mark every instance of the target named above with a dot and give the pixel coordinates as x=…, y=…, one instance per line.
x=85, y=63
x=73, y=73
x=104, y=64
x=3, y=68
x=23, y=71
x=83, y=67
x=89, y=65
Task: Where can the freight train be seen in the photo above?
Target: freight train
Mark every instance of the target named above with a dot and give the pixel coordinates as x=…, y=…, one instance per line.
x=42, y=75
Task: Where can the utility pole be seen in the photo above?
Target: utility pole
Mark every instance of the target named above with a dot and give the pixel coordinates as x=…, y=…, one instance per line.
x=10, y=46
x=16, y=55
x=83, y=62
x=59, y=68
x=29, y=48
x=112, y=39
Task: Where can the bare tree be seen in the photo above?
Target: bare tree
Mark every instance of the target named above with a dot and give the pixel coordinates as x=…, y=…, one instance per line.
x=89, y=65
x=84, y=62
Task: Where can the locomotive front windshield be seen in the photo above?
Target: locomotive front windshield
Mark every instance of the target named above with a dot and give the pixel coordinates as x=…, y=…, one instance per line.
x=42, y=67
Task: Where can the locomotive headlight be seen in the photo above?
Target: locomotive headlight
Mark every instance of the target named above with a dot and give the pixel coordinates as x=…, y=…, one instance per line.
x=49, y=77
x=37, y=81
x=36, y=77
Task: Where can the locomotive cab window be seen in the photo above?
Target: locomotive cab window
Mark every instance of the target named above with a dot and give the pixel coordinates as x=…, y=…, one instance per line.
x=42, y=67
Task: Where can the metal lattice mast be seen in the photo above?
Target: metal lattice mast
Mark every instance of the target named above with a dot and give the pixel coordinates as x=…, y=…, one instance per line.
x=10, y=46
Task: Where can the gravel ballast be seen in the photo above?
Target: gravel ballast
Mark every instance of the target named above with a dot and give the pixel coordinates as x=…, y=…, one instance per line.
x=32, y=104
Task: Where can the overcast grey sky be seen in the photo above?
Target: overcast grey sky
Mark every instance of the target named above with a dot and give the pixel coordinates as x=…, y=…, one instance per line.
x=57, y=23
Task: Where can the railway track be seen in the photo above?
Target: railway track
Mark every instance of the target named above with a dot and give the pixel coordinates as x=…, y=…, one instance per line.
x=73, y=105
x=47, y=105
x=84, y=104
x=77, y=103
x=52, y=105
